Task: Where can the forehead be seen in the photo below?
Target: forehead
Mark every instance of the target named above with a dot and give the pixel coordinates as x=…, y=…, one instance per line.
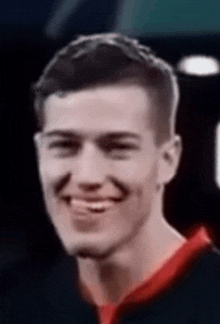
x=121, y=107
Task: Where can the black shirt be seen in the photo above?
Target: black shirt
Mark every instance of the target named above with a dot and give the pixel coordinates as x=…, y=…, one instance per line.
x=186, y=290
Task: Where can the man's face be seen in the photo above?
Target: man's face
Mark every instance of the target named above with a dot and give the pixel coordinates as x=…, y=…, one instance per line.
x=97, y=144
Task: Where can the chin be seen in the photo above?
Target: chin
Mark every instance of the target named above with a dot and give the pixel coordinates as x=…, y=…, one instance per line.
x=86, y=254
x=91, y=252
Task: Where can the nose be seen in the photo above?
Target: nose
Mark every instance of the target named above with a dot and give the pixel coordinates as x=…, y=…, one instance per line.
x=91, y=170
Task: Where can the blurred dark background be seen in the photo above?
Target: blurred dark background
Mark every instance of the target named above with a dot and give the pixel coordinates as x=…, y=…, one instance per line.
x=31, y=32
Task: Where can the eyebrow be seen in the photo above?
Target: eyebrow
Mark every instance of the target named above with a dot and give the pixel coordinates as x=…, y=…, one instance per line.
x=75, y=135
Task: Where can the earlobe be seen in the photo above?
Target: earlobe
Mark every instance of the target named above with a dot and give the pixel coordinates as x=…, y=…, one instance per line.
x=169, y=159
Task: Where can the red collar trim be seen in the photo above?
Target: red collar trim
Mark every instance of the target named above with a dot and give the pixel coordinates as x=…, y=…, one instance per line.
x=172, y=271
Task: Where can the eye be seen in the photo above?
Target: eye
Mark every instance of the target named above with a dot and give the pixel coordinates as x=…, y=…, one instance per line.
x=121, y=147
x=64, y=146
x=120, y=151
x=56, y=144
x=61, y=144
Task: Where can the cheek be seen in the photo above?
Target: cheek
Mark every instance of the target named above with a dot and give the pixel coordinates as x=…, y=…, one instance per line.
x=136, y=171
x=51, y=171
x=140, y=180
x=146, y=182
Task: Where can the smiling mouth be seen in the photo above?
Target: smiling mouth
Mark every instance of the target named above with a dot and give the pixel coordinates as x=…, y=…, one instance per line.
x=85, y=206
x=91, y=206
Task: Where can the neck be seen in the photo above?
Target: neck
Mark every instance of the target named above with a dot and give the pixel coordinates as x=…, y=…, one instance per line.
x=110, y=280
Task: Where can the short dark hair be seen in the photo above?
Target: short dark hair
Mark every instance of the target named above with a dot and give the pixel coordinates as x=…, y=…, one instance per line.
x=109, y=58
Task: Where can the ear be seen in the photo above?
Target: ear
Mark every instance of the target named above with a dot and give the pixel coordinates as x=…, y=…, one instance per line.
x=170, y=154
x=37, y=143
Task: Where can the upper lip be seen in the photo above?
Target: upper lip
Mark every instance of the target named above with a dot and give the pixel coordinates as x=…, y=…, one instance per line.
x=93, y=198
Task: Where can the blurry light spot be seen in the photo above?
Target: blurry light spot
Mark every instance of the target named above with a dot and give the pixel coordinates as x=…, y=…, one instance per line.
x=199, y=65
x=63, y=12
x=217, y=155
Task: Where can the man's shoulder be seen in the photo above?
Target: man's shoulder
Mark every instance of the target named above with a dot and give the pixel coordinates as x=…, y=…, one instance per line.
x=201, y=284
x=22, y=275
x=44, y=287
x=208, y=265
x=31, y=273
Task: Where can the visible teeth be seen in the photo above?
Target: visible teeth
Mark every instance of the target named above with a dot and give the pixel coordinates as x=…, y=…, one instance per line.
x=98, y=205
x=92, y=205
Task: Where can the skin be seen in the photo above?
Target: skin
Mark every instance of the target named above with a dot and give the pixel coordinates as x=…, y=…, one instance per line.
x=123, y=247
